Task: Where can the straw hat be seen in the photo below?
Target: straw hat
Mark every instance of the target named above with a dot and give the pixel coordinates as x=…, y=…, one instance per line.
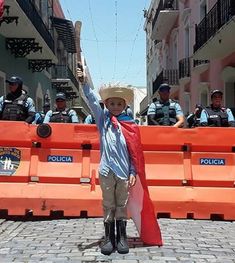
x=117, y=91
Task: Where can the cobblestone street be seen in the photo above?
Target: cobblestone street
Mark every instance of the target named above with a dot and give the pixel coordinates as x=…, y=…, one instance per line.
x=77, y=240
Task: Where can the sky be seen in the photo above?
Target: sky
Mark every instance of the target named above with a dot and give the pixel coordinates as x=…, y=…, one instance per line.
x=113, y=40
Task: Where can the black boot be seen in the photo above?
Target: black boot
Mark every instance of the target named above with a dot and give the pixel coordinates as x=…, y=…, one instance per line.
x=109, y=242
x=122, y=245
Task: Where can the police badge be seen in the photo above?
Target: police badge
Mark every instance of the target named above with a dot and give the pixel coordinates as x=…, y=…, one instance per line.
x=9, y=160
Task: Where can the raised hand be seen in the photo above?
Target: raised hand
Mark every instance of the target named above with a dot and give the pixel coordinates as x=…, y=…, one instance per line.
x=80, y=75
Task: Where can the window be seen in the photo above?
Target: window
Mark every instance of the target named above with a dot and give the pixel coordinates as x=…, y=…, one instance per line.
x=187, y=103
x=204, y=98
x=203, y=9
x=44, y=11
x=229, y=94
x=2, y=86
x=174, y=49
x=187, y=36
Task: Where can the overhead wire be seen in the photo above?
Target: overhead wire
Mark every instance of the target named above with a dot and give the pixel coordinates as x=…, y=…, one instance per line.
x=97, y=42
x=142, y=66
x=116, y=41
x=133, y=46
x=109, y=40
x=66, y=4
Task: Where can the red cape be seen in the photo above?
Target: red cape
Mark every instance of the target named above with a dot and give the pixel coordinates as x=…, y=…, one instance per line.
x=140, y=204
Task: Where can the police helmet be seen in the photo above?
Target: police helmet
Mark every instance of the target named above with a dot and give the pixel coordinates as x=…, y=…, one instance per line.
x=15, y=80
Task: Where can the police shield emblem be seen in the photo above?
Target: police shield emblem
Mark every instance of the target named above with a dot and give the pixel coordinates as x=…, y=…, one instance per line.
x=9, y=160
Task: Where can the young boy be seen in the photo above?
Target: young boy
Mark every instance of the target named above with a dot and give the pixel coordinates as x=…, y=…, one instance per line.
x=117, y=171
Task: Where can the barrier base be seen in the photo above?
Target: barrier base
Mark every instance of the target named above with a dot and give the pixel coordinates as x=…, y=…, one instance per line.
x=79, y=200
x=46, y=199
x=194, y=202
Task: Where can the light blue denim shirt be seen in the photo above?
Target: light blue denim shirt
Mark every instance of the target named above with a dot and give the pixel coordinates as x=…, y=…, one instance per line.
x=113, y=149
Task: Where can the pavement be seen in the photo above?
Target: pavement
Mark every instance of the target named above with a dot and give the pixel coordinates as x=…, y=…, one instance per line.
x=77, y=240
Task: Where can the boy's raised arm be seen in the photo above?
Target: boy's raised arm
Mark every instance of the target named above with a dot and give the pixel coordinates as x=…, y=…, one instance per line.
x=92, y=99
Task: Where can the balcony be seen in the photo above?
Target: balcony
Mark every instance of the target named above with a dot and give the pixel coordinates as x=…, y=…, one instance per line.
x=170, y=76
x=66, y=32
x=184, y=71
x=164, y=19
x=64, y=80
x=64, y=72
x=215, y=32
x=200, y=66
x=30, y=26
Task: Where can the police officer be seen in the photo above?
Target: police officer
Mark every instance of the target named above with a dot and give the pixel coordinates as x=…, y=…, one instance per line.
x=193, y=119
x=61, y=113
x=16, y=105
x=215, y=115
x=39, y=116
x=165, y=111
x=90, y=118
x=129, y=112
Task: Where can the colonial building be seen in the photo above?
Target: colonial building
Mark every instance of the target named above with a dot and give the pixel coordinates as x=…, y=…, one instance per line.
x=38, y=44
x=189, y=45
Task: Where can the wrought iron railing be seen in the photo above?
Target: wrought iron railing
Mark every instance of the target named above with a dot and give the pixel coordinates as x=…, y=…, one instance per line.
x=171, y=76
x=220, y=14
x=64, y=72
x=30, y=10
x=198, y=62
x=184, y=68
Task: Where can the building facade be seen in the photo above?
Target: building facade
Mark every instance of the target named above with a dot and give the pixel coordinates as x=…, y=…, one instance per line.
x=38, y=44
x=139, y=94
x=27, y=46
x=189, y=45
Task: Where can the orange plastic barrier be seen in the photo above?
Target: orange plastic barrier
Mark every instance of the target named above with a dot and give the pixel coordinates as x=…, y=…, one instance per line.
x=190, y=172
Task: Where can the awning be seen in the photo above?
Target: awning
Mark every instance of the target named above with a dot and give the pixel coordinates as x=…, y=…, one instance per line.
x=66, y=32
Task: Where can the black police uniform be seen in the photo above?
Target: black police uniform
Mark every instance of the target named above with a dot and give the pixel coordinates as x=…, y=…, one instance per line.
x=217, y=117
x=14, y=104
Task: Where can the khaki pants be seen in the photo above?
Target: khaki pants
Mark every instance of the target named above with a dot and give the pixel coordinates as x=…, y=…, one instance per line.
x=115, y=192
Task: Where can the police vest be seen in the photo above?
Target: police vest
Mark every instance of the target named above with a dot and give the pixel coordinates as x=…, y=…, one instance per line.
x=165, y=113
x=196, y=122
x=61, y=116
x=15, y=110
x=217, y=117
